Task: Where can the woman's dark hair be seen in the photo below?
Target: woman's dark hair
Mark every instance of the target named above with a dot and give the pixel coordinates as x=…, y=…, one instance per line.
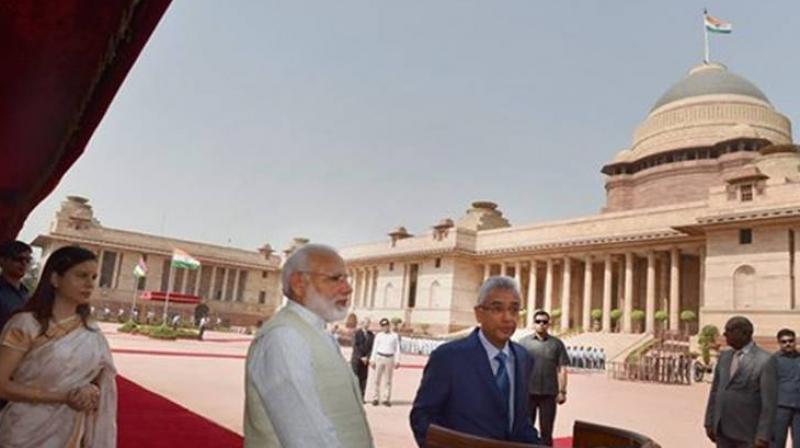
x=41, y=302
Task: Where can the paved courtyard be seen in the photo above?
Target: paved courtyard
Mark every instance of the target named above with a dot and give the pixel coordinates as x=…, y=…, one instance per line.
x=207, y=377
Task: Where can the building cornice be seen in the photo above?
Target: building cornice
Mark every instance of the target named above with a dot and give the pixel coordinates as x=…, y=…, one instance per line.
x=204, y=259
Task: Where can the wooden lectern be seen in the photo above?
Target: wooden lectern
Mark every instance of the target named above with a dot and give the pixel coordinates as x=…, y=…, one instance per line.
x=584, y=435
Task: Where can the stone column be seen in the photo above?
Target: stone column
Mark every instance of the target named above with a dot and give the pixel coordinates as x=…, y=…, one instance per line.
x=702, y=292
x=352, y=279
x=565, y=294
x=607, y=294
x=367, y=282
x=374, y=288
x=627, y=326
x=663, y=294
x=224, y=289
x=487, y=269
x=235, y=283
x=196, y=287
x=548, y=287
x=533, y=279
x=674, y=289
x=650, y=307
x=518, y=273
x=586, y=321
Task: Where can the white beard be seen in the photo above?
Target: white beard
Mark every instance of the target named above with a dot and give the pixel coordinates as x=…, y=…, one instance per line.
x=323, y=307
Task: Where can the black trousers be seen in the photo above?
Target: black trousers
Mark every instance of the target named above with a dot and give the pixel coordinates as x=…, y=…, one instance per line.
x=545, y=405
x=360, y=370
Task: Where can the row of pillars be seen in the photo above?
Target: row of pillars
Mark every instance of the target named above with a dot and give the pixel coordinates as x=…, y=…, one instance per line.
x=364, y=281
x=566, y=292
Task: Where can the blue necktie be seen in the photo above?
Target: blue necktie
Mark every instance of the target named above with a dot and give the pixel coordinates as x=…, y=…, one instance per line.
x=501, y=378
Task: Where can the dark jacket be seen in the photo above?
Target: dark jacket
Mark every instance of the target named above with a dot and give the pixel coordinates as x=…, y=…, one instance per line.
x=743, y=407
x=458, y=392
x=362, y=345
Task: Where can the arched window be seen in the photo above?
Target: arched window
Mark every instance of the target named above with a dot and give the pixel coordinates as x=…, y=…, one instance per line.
x=433, y=300
x=744, y=288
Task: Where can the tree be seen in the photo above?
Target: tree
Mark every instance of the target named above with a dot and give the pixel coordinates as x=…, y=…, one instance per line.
x=637, y=316
x=661, y=317
x=615, y=315
x=687, y=317
x=555, y=318
x=597, y=317
x=707, y=339
x=396, y=321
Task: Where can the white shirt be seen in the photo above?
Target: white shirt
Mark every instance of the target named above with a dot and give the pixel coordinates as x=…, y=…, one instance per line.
x=386, y=344
x=492, y=351
x=283, y=374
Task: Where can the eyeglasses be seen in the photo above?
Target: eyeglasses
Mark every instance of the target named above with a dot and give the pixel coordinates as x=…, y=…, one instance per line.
x=335, y=278
x=500, y=309
x=541, y=321
x=787, y=341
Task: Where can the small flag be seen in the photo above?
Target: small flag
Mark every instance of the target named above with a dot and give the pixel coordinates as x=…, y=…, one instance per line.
x=140, y=270
x=181, y=259
x=715, y=25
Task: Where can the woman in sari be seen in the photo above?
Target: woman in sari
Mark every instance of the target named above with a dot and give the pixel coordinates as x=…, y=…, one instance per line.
x=56, y=369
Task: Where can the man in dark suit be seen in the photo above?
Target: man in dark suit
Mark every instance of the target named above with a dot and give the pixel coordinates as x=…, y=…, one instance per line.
x=362, y=348
x=478, y=385
x=741, y=405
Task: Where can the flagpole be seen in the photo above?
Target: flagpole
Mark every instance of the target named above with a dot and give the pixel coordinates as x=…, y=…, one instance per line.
x=170, y=280
x=707, y=58
x=135, y=290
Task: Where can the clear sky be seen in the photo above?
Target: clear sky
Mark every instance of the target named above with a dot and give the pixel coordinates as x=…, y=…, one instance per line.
x=252, y=122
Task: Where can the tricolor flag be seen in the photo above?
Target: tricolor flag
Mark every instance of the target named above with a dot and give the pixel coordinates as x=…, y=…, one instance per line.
x=140, y=270
x=181, y=259
x=715, y=25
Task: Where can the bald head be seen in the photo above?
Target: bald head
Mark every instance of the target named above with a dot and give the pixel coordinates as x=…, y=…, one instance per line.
x=738, y=332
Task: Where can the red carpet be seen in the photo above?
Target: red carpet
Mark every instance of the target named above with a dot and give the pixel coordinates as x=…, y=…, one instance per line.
x=564, y=442
x=146, y=419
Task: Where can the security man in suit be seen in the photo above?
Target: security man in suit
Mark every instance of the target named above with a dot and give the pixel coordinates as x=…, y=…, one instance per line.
x=362, y=347
x=743, y=397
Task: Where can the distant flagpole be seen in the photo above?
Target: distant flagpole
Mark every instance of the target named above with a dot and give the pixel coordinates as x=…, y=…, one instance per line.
x=170, y=281
x=135, y=291
x=707, y=56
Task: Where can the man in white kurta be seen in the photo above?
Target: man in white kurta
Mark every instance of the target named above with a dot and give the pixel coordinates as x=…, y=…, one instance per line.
x=384, y=359
x=300, y=392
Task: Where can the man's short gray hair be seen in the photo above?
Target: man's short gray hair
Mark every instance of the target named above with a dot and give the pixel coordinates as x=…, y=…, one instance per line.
x=498, y=282
x=299, y=262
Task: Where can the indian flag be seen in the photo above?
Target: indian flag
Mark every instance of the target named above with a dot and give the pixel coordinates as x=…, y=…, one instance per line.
x=181, y=259
x=140, y=270
x=715, y=25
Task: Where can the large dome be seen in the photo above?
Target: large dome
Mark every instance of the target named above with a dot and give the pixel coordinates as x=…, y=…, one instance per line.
x=710, y=79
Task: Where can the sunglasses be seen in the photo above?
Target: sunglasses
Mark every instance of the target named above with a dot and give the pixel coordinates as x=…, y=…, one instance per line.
x=541, y=321
x=787, y=341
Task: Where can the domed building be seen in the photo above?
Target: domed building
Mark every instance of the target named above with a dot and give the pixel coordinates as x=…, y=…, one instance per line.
x=708, y=123
x=701, y=222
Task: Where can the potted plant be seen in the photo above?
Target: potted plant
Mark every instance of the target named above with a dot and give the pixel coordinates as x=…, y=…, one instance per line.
x=597, y=317
x=396, y=321
x=687, y=317
x=637, y=317
x=707, y=339
x=661, y=317
x=555, y=318
x=616, y=314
